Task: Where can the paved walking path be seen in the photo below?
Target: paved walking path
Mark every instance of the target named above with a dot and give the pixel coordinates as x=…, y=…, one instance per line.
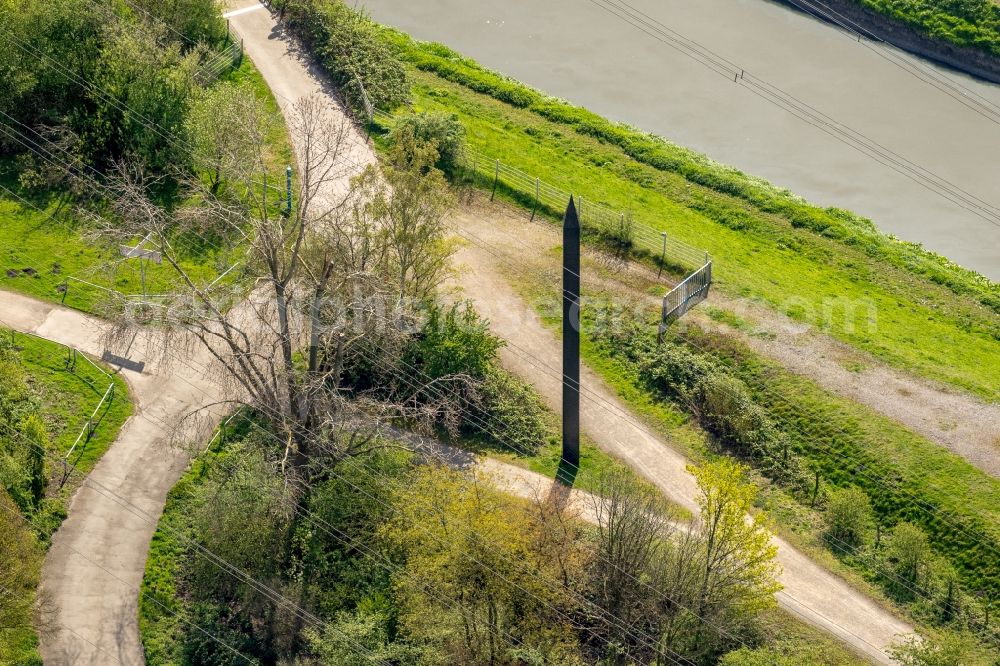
x=94, y=568
x=97, y=560
x=95, y=565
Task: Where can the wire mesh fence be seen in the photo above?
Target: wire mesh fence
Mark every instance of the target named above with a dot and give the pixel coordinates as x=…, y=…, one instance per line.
x=616, y=228
x=218, y=63
x=97, y=377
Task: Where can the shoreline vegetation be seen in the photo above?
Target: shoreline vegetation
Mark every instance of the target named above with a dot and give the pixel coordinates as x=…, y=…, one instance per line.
x=963, y=36
x=934, y=318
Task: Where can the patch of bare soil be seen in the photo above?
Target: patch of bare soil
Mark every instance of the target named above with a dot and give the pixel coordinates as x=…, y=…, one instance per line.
x=960, y=422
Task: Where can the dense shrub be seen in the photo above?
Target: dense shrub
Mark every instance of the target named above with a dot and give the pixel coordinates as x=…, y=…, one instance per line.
x=848, y=518
x=453, y=340
x=352, y=50
x=442, y=130
x=456, y=342
x=508, y=413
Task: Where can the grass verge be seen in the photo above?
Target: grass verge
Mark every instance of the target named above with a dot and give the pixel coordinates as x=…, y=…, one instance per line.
x=824, y=267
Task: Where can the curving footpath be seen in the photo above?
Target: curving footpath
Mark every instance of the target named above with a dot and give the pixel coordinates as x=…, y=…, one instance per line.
x=94, y=568
x=93, y=571
x=811, y=592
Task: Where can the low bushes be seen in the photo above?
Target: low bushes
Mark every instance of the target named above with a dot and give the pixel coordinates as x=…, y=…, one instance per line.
x=722, y=403
x=351, y=48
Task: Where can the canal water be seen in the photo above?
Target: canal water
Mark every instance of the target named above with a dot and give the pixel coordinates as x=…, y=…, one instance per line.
x=576, y=50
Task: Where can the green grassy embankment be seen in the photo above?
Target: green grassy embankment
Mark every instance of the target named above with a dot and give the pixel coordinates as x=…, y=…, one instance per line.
x=826, y=267
x=966, y=23
x=69, y=397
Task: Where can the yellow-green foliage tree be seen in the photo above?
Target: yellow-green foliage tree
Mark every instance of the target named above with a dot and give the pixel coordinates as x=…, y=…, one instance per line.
x=474, y=587
x=739, y=568
x=20, y=565
x=722, y=568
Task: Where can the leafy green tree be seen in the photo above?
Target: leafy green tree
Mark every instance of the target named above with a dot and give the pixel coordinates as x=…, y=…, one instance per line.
x=226, y=125
x=47, y=50
x=36, y=443
x=849, y=518
x=23, y=438
x=508, y=412
x=148, y=88
x=196, y=20
x=737, y=577
x=472, y=577
x=407, y=200
x=339, y=643
x=909, y=554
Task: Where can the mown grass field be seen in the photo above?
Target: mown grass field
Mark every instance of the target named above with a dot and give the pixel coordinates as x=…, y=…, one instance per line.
x=42, y=241
x=823, y=267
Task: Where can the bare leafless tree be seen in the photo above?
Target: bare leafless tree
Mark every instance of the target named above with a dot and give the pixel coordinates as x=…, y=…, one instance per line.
x=634, y=522
x=321, y=284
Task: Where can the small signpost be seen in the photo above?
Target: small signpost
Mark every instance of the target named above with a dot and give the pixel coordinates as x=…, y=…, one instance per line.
x=143, y=256
x=571, y=340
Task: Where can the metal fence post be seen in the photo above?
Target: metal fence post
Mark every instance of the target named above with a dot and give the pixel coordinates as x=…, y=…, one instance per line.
x=663, y=256
x=538, y=188
x=496, y=180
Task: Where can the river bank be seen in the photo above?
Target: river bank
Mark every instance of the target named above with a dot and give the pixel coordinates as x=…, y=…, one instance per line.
x=873, y=25
x=580, y=53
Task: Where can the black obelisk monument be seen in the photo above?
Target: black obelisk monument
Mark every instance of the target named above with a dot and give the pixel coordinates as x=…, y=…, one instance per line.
x=571, y=338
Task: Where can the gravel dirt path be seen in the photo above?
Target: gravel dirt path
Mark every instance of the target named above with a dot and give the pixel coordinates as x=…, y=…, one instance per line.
x=533, y=352
x=97, y=559
x=957, y=421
